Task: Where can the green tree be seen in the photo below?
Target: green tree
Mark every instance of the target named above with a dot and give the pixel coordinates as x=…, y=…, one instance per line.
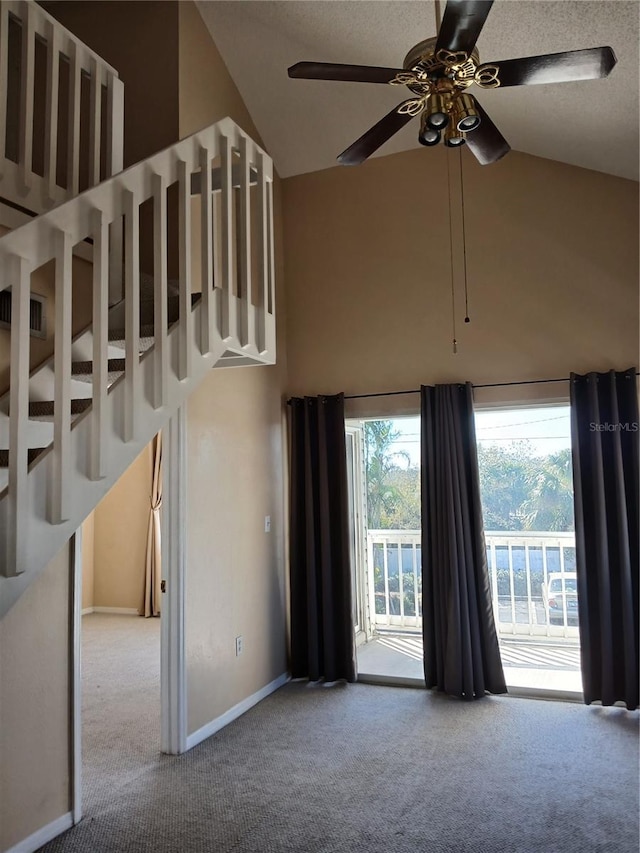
x=383, y=497
x=550, y=502
x=406, y=509
x=505, y=475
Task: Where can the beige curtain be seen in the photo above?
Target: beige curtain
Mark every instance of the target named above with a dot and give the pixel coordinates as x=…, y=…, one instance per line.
x=153, y=568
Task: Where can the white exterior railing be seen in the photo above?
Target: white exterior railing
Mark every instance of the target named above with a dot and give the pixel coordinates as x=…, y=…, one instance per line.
x=519, y=563
x=66, y=95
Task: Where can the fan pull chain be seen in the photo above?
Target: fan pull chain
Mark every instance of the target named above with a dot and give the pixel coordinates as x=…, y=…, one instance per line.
x=453, y=292
x=464, y=246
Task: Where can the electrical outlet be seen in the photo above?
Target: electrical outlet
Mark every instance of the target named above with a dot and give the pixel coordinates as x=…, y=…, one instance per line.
x=267, y=524
x=239, y=646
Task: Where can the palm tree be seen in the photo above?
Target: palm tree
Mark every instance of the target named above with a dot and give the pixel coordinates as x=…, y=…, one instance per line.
x=550, y=502
x=382, y=496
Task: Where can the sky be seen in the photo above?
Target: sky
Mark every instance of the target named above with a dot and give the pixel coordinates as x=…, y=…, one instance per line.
x=546, y=428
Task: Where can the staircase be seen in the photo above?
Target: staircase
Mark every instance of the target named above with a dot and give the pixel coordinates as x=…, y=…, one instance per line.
x=70, y=428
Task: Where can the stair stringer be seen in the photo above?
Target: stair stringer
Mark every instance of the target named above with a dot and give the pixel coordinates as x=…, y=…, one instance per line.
x=44, y=540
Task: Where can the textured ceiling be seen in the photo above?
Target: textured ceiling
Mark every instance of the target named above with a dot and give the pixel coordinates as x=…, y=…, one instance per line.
x=305, y=124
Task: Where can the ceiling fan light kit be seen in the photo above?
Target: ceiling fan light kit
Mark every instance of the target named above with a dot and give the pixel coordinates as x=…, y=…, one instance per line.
x=454, y=138
x=439, y=71
x=467, y=116
x=437, y=111
x=427, y=136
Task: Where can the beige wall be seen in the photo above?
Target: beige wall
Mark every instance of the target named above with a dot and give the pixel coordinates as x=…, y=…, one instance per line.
x=235, y=580
x=88, y=568
x=552, y=257
x=139, y=38
x=120, y=537
x=235, y=573
x=34, y=706
x=206, y=91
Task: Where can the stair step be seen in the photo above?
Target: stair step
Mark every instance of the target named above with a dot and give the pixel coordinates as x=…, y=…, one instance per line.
x=147, y=308
x=32, y=453
x=83, y=370
x=146, y=332
x=44, y=408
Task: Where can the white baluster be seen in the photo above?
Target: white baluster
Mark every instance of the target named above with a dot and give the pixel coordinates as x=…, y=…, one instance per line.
x=263, y=252
x=59, y=497
x=51, y=111
x=206, y=204
x=184, y=251
x=416, y=597
x=18, y=416
x=512, y=592
x=95, y=118
x=161, y=343
x=132, y=314
x=247, y=315
x=115, y=125
x=229, y=315
x=387, y=594
x=73, y=143
x=4, y=78
x=400, y=583
x=114, y=131
x=531, y=607
x=27, y=77
x=100, y=367
x=271, y=305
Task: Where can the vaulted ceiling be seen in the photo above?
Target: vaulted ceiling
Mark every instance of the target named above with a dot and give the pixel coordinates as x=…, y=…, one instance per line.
x=306, y=123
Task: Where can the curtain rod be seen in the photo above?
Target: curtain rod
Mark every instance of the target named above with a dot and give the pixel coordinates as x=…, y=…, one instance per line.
x=487, y=385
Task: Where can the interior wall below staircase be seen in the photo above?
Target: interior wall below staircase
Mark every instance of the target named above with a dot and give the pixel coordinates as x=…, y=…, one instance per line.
x=120, y=538
x=34, y=676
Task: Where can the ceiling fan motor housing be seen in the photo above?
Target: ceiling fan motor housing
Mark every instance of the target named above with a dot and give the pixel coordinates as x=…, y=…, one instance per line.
x=440, y=82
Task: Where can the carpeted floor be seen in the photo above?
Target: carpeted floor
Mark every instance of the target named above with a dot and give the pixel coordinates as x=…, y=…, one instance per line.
x=120, y=704
x=368, y=769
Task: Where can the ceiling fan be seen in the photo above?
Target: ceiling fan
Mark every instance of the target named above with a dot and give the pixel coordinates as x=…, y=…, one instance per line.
x=439, y=71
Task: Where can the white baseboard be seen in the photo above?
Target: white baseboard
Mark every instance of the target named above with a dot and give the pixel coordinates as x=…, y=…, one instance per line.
x=123, y=611
x=44, y=835
x=235, y=712
x=86, y=611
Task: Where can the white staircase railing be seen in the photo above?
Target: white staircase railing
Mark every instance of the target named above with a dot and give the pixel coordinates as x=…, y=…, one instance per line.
x=61, y=110
x=230, y=320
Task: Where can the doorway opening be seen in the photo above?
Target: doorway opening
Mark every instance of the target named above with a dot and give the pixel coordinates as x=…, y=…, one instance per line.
x=119, y=649
x=384, y=463
x=526, y=484
x=524, y=458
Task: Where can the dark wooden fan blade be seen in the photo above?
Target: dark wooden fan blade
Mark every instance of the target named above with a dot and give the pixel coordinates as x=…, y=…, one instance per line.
x=348, y=73
x=462, y=23
x=374, y=138
x=589, y=64
x=487, y=144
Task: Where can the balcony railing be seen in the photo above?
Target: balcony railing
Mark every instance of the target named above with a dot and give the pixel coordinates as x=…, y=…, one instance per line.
x=519, y=563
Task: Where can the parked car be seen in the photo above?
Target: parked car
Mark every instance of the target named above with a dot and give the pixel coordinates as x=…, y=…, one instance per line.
x=560, y=595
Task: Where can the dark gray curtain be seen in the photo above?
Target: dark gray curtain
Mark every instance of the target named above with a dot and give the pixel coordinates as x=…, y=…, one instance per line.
x=322, y=633
x=461, y=654
x=605, y=441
